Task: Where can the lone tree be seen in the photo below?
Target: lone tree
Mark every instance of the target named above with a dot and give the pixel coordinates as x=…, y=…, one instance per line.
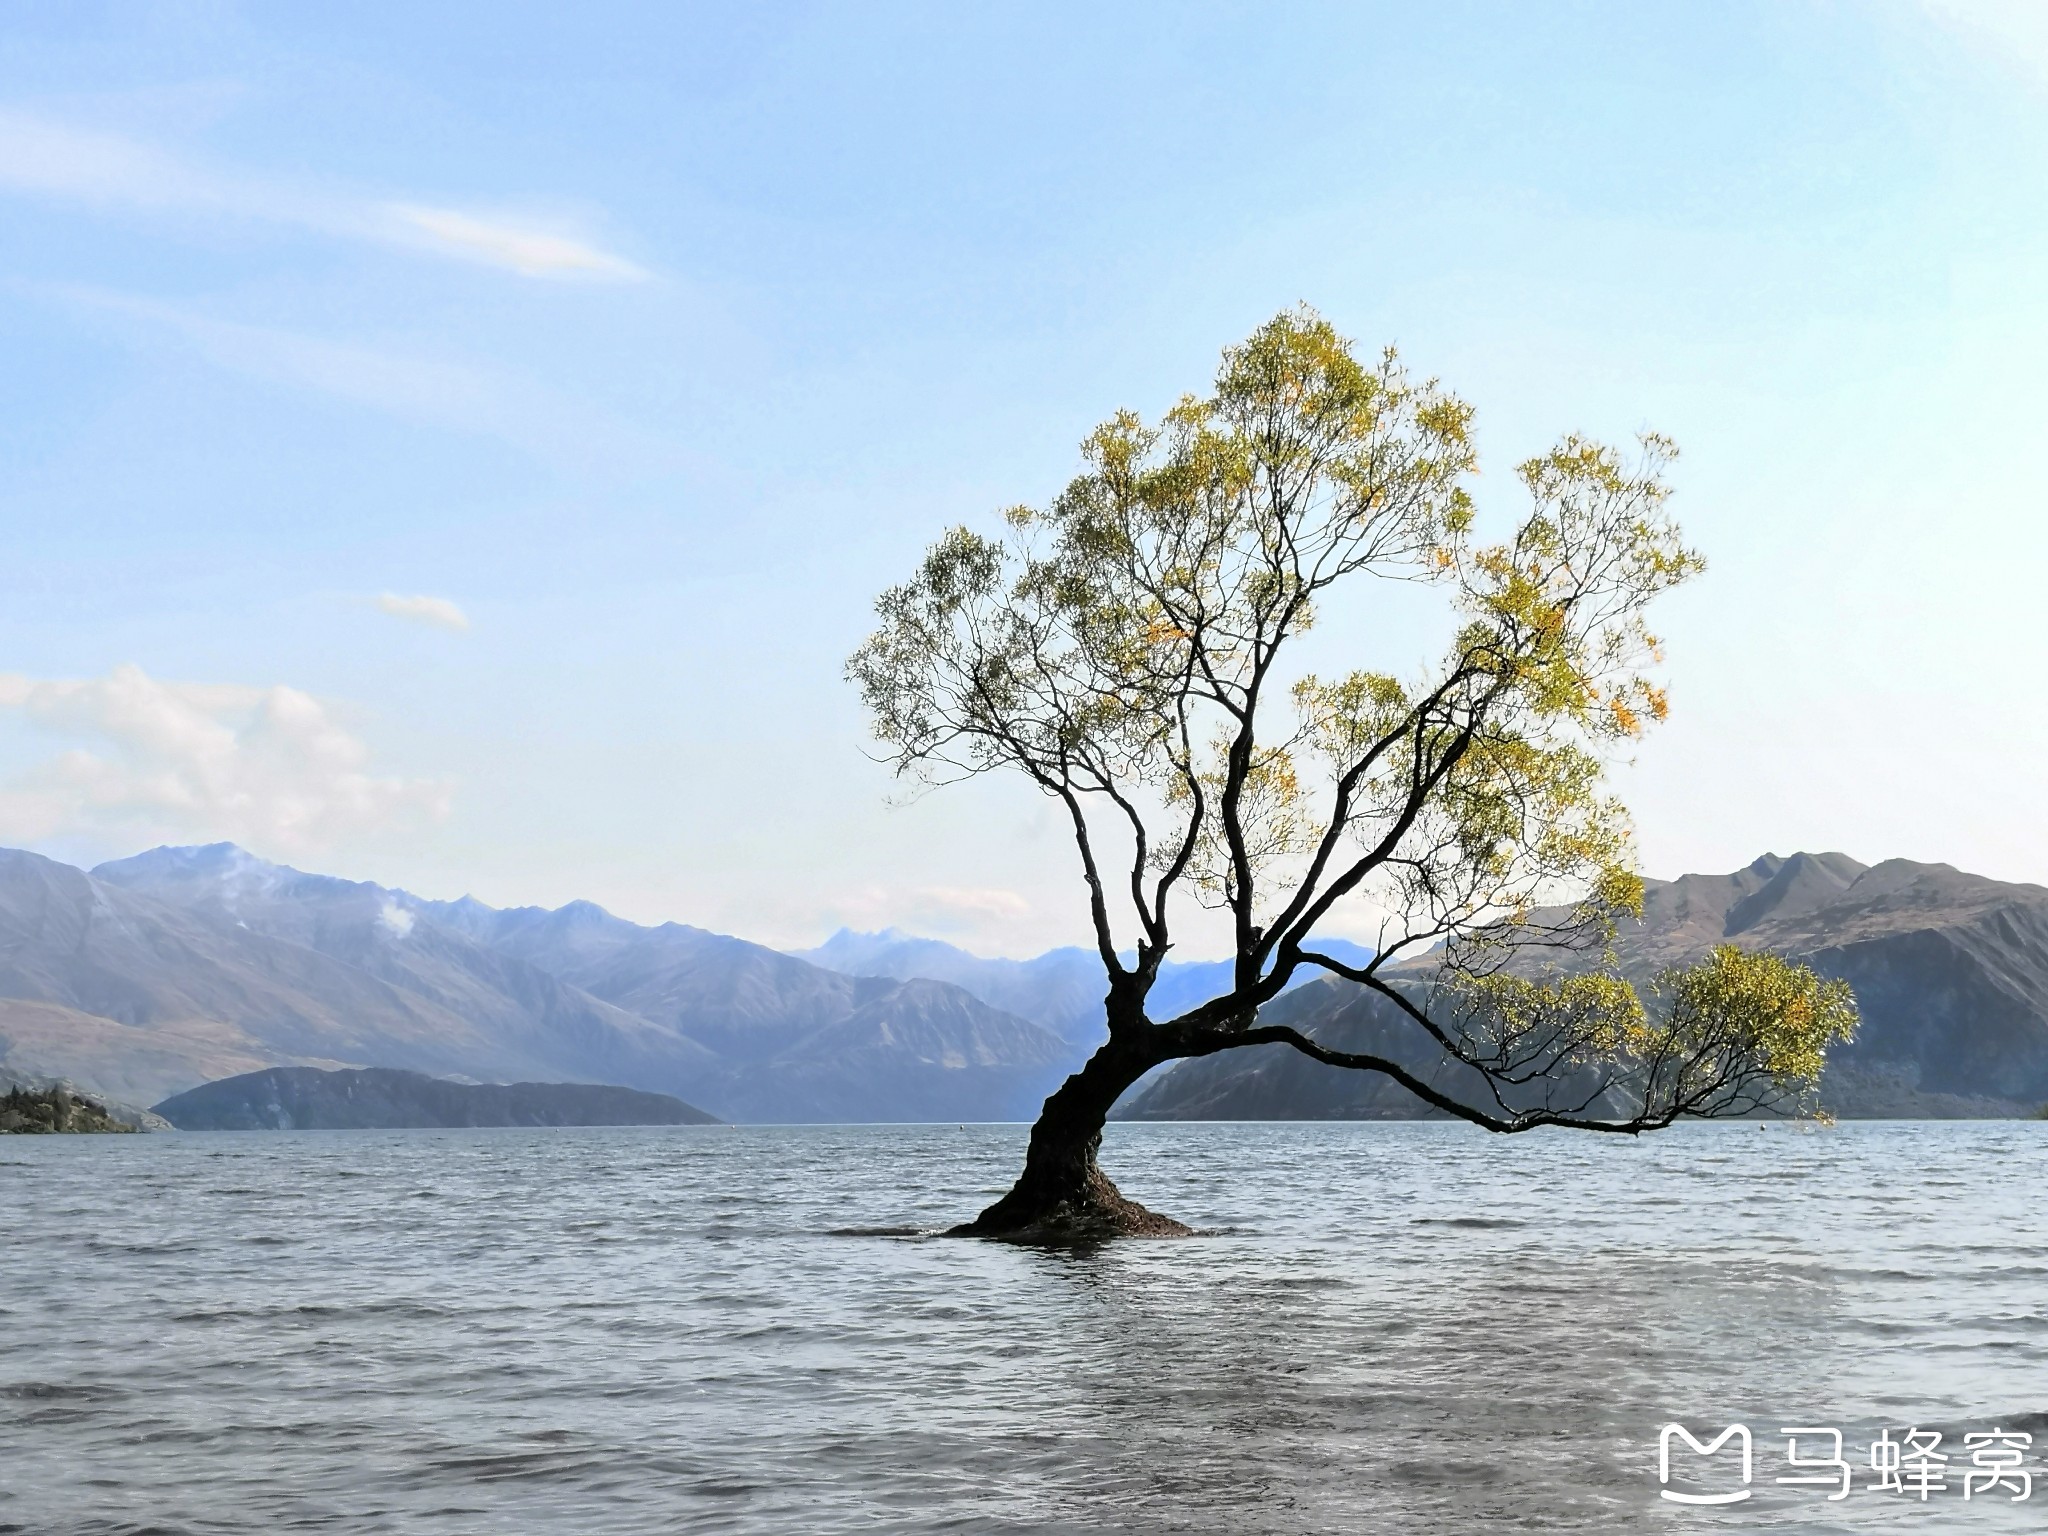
x=1128, y=650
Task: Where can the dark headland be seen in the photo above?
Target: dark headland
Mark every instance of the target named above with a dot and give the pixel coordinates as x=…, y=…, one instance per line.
x=383, y=1098
x=53, y=1111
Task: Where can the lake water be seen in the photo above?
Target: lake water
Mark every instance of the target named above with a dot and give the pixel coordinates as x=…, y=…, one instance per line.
x=1391, y=1327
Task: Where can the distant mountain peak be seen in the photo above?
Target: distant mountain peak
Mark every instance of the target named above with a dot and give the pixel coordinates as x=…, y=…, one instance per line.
x=1770, y=864
x=221, y=850
x=849, y=938
x=228, y=870
x=1803, y=883
x=195, y=858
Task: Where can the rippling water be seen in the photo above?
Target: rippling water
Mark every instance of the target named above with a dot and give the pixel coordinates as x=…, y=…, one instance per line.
x=1390, y=1327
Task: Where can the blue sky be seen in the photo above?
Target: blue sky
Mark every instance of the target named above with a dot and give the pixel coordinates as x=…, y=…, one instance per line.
x=458, y=445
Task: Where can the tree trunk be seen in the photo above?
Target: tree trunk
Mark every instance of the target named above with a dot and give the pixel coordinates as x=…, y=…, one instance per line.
x=1061, y=1196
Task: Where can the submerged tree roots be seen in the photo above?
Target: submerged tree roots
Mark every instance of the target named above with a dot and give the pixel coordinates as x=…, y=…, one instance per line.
x=1093, y=1213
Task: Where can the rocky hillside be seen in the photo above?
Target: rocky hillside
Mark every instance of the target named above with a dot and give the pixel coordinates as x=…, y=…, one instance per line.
x=134, y=1116
x=48, y=1111
x=1951, y=971
x=308, y=1099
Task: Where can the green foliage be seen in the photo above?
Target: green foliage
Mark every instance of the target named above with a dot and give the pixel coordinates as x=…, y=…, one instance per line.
x=1740, y=1012
x=1736, y=1032
x=1126, y=649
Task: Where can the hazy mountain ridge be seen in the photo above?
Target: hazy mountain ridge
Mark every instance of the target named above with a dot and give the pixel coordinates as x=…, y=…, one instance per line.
x=846, y=1047
x=156, y=973
x=1950, y=969
x=153, y=974
x=132, y=995
x=1061, y=989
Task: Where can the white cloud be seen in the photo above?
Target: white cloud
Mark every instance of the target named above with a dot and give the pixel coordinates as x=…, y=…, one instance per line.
x=961, y=906
x=2013, y=32
x=930, y=909
x=51, y=159
x=394, y=919
x=437, y=611
x=533, y=252
x=41, y=156
x=267, y=767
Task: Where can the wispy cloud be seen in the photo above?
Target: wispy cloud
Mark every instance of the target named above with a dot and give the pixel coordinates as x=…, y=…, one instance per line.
x=42, y=157
x=413, y=385
x=37, y=155
x=2015, y=32
x=417, y=386
x=949, y=909
x=534, y=252
x=269, y=767
x=436, y=611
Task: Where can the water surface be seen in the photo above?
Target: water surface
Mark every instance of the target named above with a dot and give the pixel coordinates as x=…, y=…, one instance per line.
x=1398, y=1327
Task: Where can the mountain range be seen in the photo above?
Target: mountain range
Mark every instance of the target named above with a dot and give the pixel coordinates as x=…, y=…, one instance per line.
x=1060, y=989
x=1950, y=971
x=154, y=974
x=151, y=975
